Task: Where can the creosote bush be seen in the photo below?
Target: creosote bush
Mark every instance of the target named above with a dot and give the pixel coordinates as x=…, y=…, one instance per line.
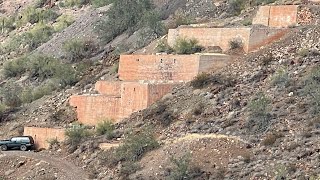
x=186, y=46
x=106, y=128
x=312, y=89
x=62, y=22
x=162, y=46
x=281, y=78
x=235, y=43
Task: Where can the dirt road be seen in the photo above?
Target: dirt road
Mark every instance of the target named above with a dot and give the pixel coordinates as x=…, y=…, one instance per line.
x=70, y=171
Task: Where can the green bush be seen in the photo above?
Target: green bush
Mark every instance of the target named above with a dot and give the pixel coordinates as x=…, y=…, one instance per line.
x=182, y=168
x=236, y=6
x=235, y=43
x=10, y=93
x=34, y=15
x=162, y=46
x=7, y=24
x=76, y=134
x=124, y=15
x=186, y=46
x=259, y=118
x=281, y=78
x=40, y=3
x=105, y=128
x=152, y=21
x=62, y=22
x=38, y=35
x=3, y=108
x=76, y=49
x=200, y=80
x=181, y=19
x=15, y=67
x=312, y=89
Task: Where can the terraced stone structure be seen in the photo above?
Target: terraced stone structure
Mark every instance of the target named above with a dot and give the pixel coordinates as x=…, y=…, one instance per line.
x=251, y=38
x=169, y=67
x=42, y=136
x=117, y=100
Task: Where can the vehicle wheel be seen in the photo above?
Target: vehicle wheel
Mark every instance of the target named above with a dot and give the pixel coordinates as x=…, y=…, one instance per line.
x=3, y=147
x=23, y=148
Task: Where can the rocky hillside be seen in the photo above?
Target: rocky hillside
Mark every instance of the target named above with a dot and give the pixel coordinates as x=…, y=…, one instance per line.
x=255, y=119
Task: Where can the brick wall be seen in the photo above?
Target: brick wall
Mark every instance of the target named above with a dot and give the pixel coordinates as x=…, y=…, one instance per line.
x=211, y=36
x=262, y=37
x=276, y=16
x=166, y=67
x=42, y=135
x=134, y=96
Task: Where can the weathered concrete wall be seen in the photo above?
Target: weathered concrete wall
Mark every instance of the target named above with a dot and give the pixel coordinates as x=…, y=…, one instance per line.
x=134, y=96
x=211, y=36
x=166, y=67
x=93, y=108
x=277, y=16
x=42, y=135
x=252, y=38
x=110, y=88
x=262, y=37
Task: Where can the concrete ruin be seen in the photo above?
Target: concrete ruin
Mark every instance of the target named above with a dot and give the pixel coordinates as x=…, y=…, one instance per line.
x=42, y=136
x=174, y=68
x=123, y=99
x=251, y=38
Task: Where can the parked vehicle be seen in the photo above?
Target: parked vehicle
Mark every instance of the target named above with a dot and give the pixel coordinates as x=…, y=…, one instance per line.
x=19, y=142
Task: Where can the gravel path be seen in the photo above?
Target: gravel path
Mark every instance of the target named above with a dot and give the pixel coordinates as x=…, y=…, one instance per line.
x=71, y=171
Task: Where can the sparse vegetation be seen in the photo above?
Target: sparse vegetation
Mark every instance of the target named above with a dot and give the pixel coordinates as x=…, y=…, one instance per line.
x=162, y=46
x=7, y=24
x=281, y=78
x=100, y=3
x=200, y=80
x=10, y=93
x=76, y=134
x=312, y=89
x=182, y=19
x=259, y=118
x=236, y=43
x=236, y=6
x=303, y=52
x=77, y=49
x=62, y=22
x=53, y=141
x=78, y=3
x=183, y=170
x=198, y=109
x=106, y=128
x=186, y=46
x=247, y=22
x=34, y=15
x=271, y=138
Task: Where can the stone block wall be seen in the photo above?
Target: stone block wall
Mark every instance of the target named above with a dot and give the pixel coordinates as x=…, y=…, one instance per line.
x=174, y=68
x=42, y=135
x=251, y=38
x=277, y=16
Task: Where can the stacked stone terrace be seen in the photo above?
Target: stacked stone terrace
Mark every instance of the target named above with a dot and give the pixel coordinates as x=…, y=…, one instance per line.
x=146, y=78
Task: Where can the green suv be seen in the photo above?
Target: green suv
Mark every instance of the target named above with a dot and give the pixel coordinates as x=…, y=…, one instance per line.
x=20, y=142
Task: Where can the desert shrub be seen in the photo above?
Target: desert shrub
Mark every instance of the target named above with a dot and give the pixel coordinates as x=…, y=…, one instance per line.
x=3, y=108
x=162, y=46
x=10, y=93
x=125, y=15
x=186, y=46
x=76, y=49
x=200, y=80
x=152, y=21
x=198, y=109
x=135, y=145
x=303, y=52
x=41, y=33
x=259, y=118
x=247, y=22
x=281, y=78
x=182, y=19
x=128, y=168
x=236, y=6
x=262, y=2
x=7, y=24
x=115, y=67
x=15, y=67
x=52, y=141
x=271, y=138
x=312, y=89
x=40, y=3
x=76, y=134
x=182, y=165
x=106, y=128
x=235, y=43
x=266, y=60
x=100, y=3
x=34, y=15
x=29, y=94
x=62, y=22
